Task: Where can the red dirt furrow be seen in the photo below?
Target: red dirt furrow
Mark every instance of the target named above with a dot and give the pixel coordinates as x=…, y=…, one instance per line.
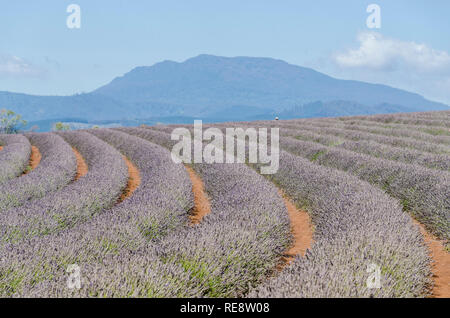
x=440, y=266
x=301, y=229
x=134, y=180
x=202, y=206
x=35, y=159
x=82, y=167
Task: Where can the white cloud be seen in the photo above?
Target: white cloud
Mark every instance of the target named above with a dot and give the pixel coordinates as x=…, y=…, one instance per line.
x=377, y=52
x=16, y=66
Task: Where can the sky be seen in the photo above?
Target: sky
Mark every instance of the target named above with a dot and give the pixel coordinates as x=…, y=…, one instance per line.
x=40, y=55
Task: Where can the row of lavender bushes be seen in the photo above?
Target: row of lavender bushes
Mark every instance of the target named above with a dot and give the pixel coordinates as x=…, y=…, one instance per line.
x=56, y=169
x=360, y=126
x=428, y=130
x=402, y=142
x=116, y=249
x=239, y=243
x=375, y=149
x=440, y=120
x=231, y=249
x=355, y=225
x=423, y=192
x=98, y=189
x=14, y=157
x=369, y=147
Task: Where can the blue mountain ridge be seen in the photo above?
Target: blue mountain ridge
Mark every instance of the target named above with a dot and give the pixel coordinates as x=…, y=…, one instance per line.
x=218, y=88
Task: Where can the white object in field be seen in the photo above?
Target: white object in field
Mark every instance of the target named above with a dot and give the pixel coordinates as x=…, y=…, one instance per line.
x=276, y=118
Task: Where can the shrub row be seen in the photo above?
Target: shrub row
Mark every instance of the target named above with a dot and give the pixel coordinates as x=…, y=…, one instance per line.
x=115, y=244
x=405, y=119
x=384, y=131
x=356, y=225
x=423, y=192
x=403, y=142
x=14, y=156
x=98, y=189
x=239, y=242
x=57, y=168
x=375, y=149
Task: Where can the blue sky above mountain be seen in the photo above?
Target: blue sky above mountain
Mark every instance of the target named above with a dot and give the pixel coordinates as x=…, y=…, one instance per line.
x=40, y=55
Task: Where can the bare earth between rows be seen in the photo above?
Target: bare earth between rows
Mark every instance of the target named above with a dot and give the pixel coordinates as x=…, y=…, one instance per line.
x=301, y=229
x=134, y=180
x=35, y=159
x=440, y=266
x=82, y=167
x=202, y=206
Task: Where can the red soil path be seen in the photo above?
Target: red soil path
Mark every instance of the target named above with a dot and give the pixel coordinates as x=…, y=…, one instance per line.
x=82, y=167
x=301, y=229
x=202, y=206
x=440, y=266
x=35, y=158
x=134, y=180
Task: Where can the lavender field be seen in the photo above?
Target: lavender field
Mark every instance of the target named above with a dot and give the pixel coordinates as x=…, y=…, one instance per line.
x=376, y=190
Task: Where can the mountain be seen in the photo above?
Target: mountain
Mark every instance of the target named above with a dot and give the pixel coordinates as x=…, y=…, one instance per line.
x=217, y=88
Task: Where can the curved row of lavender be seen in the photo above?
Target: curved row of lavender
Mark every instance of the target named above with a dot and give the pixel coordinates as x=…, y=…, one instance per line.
x=405, y=142
x=425, y=193
x=336, y=267
x=369, y=147
x=116, y=245
x=428, y=130
x=355, y=225
x=166, y=187
x=14, y=157
x=439, y=114
x=240, y=242
x=435, y=122
x=304, y=125
x=373, y=148
x=98, y=189
x=56, y=169
x=379, y=130
x=419, y=132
